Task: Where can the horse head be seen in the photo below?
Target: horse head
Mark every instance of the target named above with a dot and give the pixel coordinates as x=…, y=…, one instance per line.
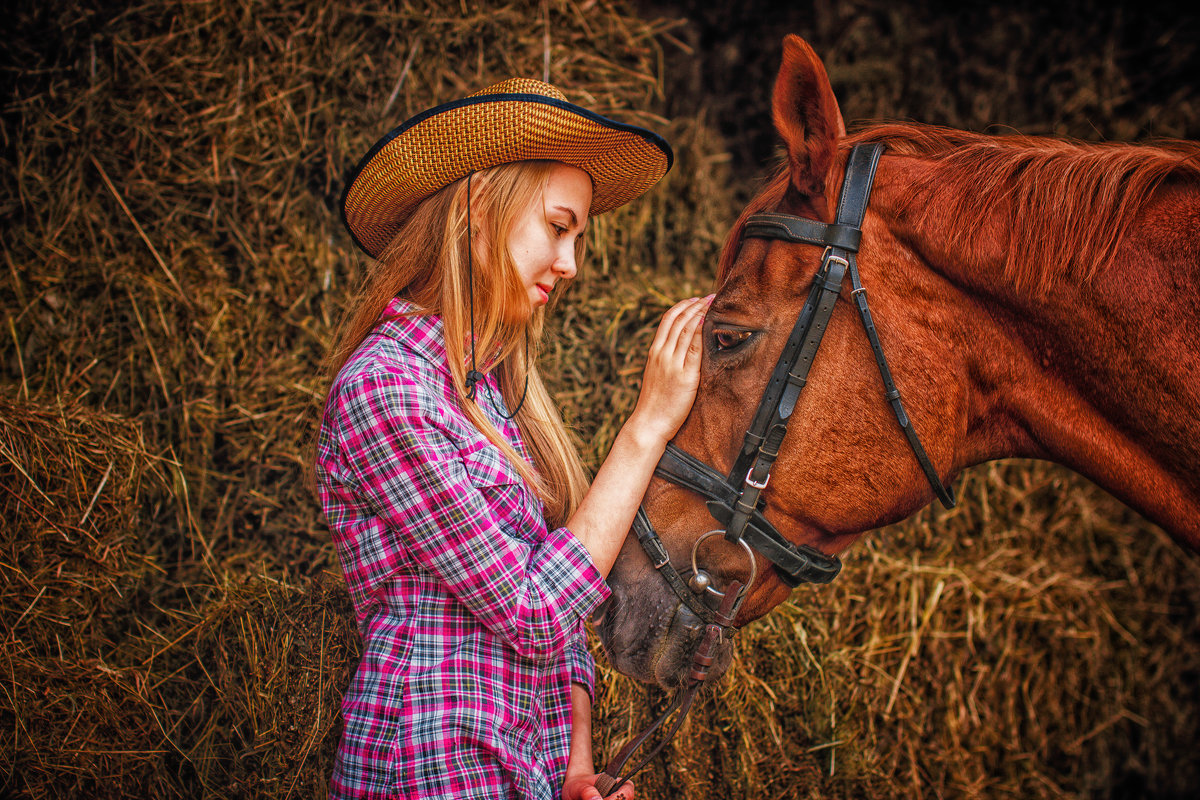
x=1035, y=297
x=844, y=466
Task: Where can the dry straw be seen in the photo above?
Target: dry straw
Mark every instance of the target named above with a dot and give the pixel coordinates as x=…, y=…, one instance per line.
x=173, y=268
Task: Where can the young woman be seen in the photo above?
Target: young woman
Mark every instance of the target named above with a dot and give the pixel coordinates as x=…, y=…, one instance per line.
x=472, y=544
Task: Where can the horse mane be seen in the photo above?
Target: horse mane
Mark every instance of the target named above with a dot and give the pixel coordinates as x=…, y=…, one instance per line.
x=1052, y=190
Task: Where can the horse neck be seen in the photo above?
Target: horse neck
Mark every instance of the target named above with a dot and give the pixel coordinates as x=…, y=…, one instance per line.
x=1101, y=374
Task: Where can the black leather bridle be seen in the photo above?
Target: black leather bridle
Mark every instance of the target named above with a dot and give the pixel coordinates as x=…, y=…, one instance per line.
x=735, y=501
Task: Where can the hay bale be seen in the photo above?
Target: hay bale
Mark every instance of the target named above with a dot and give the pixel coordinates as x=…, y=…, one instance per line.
x=251, y=689
x=78, y=727
x=71, y=481
x=236, y=694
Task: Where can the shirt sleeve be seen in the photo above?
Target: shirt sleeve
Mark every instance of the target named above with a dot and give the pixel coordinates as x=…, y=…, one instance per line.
x=580, y=663
x=532, y=595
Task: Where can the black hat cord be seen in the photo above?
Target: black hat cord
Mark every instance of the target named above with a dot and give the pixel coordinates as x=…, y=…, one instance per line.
x=474, y=376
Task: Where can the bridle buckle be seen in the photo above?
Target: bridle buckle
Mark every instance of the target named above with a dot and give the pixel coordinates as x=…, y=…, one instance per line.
x=755, y=484
x=828, y=256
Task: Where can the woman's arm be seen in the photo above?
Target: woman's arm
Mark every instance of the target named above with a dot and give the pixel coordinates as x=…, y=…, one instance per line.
x=580, y=764
x=604, y=517
x=579, y=783
x=668, y=390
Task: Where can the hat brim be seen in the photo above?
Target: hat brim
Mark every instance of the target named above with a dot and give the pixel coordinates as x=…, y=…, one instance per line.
x=441, y=145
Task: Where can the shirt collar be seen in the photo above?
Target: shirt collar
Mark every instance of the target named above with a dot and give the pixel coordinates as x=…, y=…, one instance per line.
x=424, y=334
x=417, y=330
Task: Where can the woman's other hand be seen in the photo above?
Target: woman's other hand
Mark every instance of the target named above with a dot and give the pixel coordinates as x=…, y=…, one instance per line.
x=582, y=787
x=672, y=372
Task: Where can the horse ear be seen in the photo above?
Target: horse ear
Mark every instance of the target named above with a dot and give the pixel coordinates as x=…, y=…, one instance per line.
x=807, y=117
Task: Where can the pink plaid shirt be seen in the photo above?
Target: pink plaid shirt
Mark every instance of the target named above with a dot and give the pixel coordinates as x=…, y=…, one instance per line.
x=470, y=610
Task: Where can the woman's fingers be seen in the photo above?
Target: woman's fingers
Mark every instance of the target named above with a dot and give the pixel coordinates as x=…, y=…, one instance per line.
x=672, y=322
x=679, y=325
x=672, y=372
x=686, y=341
x=626, y=792
x=688, y=344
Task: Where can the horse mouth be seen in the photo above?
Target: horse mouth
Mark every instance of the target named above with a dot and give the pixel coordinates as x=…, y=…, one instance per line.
x=653, y=639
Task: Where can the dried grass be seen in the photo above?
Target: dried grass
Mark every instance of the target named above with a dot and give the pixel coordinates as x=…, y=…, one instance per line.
x=173, y=271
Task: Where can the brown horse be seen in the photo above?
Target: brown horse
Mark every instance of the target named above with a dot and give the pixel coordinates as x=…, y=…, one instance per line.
x=1034, y=297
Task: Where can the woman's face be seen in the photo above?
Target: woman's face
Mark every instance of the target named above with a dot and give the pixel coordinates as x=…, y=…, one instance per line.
x=542, y=240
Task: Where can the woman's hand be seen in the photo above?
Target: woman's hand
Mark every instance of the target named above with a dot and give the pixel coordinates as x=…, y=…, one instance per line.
x=580, y=781
x=668, y=390
x=582, y=787
x=672, y=372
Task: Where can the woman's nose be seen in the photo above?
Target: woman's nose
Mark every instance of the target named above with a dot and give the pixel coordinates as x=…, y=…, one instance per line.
x=564, y=265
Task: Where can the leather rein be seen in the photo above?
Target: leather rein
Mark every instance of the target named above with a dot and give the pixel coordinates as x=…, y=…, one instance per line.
x=735, y=500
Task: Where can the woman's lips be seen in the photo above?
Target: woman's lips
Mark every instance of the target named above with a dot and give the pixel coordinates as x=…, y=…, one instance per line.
x=544, y=291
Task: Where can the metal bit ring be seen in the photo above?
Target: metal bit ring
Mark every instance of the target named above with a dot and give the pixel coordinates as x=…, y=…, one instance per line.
x=749, y=554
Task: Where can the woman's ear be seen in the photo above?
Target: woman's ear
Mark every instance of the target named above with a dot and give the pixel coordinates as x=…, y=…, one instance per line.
x=476, y=218
x=807, y=118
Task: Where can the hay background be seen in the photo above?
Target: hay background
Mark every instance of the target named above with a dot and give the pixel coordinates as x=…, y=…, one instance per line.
x=175, y=621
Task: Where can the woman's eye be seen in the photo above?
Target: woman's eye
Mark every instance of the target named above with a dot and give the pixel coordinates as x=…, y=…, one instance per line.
x=726, y=339
x=559, y=230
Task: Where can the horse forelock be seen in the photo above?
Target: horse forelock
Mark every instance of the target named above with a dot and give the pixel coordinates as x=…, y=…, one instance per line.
x=1067, y=204
x=767, y=199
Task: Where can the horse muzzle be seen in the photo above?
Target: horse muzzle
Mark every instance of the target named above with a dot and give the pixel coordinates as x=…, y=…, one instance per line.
x=650, y=635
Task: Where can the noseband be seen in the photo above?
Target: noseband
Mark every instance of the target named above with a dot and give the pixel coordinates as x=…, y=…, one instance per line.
x=735, y=500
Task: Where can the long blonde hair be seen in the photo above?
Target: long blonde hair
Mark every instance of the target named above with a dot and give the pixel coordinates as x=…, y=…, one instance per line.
x=426, y=263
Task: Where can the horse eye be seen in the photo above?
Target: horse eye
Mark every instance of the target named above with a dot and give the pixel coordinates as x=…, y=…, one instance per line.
x=726, y=339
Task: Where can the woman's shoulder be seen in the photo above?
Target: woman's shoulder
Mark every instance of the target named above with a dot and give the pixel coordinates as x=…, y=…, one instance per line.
x=382, y=369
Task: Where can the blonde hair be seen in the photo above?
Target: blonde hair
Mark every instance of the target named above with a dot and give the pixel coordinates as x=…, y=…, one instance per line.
x=426, y=263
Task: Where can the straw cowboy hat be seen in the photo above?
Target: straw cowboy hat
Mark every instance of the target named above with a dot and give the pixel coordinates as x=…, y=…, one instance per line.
x=516, y=120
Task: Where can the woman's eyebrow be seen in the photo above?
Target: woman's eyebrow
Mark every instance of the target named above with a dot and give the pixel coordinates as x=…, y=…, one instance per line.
x=569, y=210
